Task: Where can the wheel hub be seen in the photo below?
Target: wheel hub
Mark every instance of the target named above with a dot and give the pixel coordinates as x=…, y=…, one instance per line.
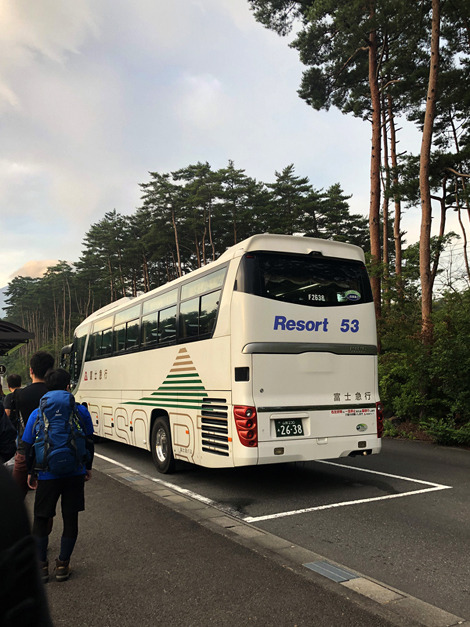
x=161, y=445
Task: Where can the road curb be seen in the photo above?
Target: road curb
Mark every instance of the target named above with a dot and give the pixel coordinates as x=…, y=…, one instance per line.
x=394, y=605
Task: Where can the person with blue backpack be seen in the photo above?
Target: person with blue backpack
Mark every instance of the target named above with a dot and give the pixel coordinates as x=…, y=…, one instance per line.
x=59, y=450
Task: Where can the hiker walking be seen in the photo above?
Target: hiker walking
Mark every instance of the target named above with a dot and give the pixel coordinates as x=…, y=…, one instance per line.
x=14, y=383
x=7, y=438
x=59, y=434
x=25, y=401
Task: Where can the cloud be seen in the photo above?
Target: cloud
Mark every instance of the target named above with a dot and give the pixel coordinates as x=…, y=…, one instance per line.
x=34, y=269
x=203, y=104
x=94, y=94
x=48, y=29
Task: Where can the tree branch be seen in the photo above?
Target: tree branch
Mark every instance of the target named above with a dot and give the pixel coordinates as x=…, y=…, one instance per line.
x=397, y=80
x=350, y=59
x=457, y=173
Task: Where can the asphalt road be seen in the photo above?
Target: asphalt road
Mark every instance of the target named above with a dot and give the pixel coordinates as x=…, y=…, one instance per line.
x=401, y=517
x=138, y=562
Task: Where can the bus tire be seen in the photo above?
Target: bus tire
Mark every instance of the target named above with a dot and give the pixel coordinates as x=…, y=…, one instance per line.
x=162, y=449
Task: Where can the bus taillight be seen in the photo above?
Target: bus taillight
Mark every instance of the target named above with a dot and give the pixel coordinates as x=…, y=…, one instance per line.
x=380, y=419
x=247, y=427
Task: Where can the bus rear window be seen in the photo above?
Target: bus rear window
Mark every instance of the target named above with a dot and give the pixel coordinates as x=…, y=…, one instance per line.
x=304, y=280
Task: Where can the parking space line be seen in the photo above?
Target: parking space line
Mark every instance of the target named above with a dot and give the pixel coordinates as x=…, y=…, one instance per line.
x=434, y=487
x=383, y=474
x=167, y=484
x=252, y=519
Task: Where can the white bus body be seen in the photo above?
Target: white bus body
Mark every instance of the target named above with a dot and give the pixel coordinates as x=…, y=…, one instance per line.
x=267, y=355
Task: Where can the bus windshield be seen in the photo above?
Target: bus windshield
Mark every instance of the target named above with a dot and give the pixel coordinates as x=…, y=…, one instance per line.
x=315, y=281
x=77, y=355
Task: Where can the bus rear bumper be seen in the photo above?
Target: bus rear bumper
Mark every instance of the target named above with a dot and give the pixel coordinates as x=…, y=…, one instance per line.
x=310, y=449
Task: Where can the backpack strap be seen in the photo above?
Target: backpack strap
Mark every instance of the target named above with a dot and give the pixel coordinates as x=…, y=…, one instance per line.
x=72, y=419
x=42, y=413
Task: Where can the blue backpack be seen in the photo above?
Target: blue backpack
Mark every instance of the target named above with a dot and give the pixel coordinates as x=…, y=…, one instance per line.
x=60, y=444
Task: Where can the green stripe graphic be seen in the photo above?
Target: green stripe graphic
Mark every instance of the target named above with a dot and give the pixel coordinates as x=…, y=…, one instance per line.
x=177, y=391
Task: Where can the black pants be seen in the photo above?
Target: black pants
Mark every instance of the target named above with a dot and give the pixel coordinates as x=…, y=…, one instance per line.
x=71, y=490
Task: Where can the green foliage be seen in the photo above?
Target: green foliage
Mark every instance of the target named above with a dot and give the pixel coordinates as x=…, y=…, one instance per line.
x=447, y=432
x=390, y=431
x=393, y=431
x=429, y=385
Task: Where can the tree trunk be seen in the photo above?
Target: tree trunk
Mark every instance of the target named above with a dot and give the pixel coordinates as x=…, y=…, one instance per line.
x=210, y=229
x=442, y=228
x=374, y=212
x=234, y=218
x=397, y=219
x=386, y=185
x=64, y=320
x=70, y=310
x=457, y=148
x=176, y=240
x=464, y=233
x=123, y=287
x=146, y=273
x=198, y=254
x=203, y=246
x=56, y=320
x=424, y=185
x=111, y=282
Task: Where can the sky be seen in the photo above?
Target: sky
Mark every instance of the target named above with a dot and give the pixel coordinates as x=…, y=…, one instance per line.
x=94, y=94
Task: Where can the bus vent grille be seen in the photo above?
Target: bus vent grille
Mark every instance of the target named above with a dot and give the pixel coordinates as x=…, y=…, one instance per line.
x=214, y=426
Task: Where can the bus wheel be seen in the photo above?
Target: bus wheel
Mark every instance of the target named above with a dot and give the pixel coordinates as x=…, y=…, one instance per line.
x=162, y=450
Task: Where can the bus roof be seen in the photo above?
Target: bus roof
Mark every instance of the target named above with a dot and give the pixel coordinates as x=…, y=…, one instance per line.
x=295, y=244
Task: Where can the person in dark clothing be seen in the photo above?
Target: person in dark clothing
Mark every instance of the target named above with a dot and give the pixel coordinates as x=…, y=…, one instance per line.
x=26, y=401
x=7, y=438
x=22, y=597
x=49, y=487
x=14, y=383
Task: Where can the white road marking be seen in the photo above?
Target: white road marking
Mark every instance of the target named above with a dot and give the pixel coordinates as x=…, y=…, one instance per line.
x=434, y=487
x=167, y=484
x=384, y=474
x=252, y=519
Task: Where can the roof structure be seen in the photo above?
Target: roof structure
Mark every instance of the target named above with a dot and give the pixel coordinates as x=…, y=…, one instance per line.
x=11, y=336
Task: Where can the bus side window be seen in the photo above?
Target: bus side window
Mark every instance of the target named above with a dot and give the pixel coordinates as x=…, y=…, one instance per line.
x=95, y=345
x=119, y=336
x=189, y=318
x=150, y=329
x=167, y=325
x=209, y=307
x=106, y=343
x=132, y=335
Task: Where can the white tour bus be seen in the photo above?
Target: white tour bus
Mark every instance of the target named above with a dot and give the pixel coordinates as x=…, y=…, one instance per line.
x=267, y=355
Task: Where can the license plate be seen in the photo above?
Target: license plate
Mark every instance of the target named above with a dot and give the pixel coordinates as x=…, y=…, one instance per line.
x=288, y=428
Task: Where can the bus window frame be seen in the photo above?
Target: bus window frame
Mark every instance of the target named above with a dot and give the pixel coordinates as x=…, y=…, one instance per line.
x=178, y=340
x=205, y=336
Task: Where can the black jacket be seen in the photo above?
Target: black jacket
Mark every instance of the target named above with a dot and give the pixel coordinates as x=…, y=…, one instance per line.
x=7, y=438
